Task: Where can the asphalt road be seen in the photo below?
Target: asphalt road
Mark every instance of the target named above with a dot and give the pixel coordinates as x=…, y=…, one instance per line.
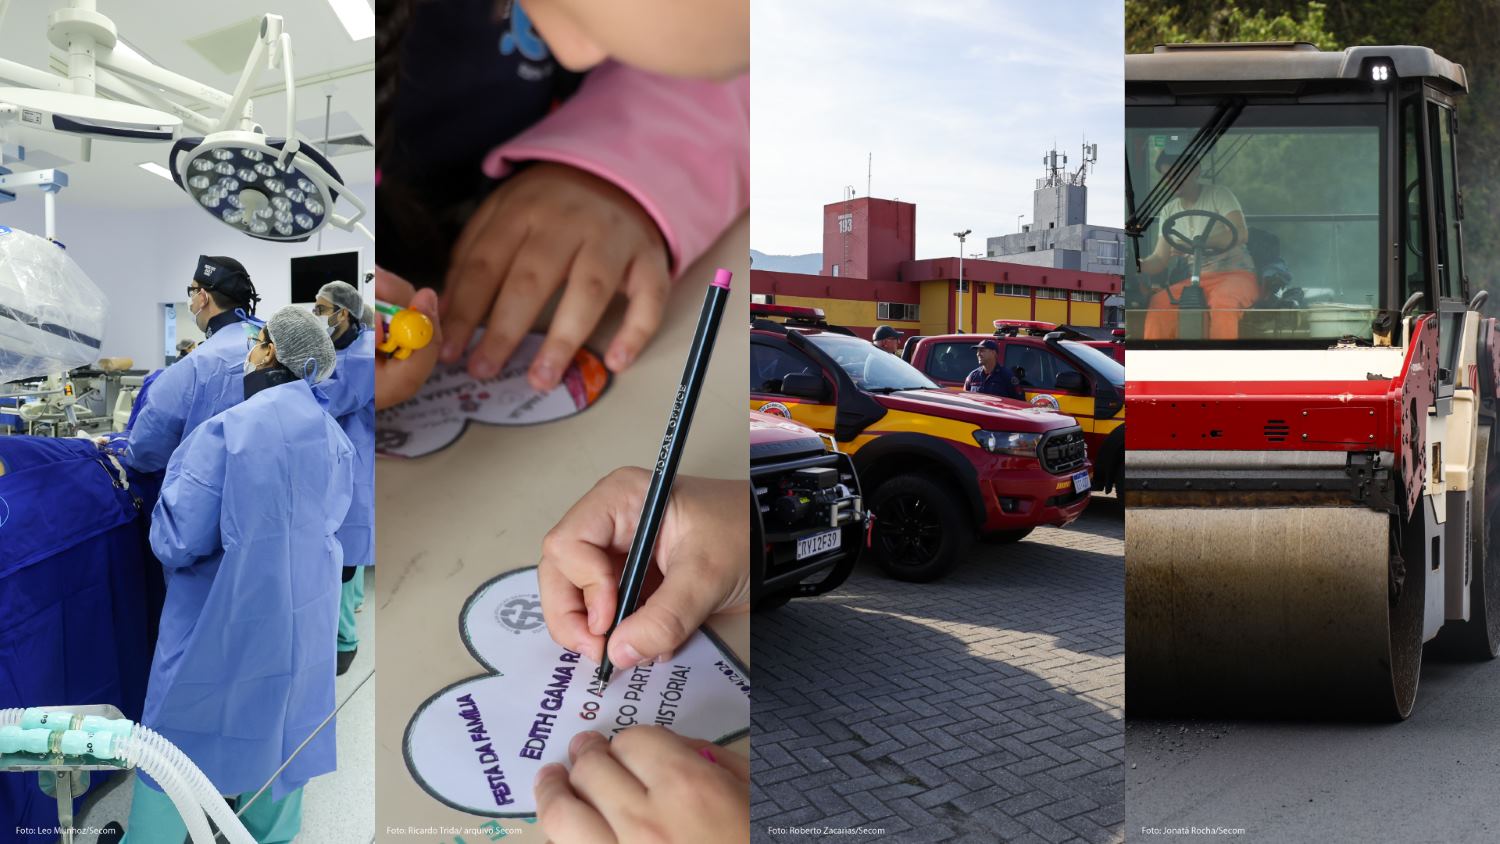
x=985, y=707
x=1434, y=777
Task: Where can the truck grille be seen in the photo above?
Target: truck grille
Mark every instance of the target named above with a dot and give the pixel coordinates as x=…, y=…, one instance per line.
x=1064, y=451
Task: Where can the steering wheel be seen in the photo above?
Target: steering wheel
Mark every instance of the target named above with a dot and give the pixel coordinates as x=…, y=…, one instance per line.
x=1199, y=245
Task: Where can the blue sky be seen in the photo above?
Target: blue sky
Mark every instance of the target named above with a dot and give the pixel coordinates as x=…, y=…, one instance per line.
x=957, y=99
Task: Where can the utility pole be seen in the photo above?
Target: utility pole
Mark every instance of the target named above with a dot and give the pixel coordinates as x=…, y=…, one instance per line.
x=961, y=236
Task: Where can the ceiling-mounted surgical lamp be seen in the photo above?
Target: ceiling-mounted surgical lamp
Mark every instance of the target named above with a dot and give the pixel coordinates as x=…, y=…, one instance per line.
x=268, y=188
x=247, y=181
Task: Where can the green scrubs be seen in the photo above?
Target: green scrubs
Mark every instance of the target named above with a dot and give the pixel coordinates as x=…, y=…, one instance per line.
x=353, y=596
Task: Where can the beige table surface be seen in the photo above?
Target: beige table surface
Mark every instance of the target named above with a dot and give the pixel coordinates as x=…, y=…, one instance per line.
x=452, y=520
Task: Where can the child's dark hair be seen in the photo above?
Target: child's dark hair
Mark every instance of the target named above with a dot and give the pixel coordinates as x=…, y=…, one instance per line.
x=392, y=17
x=422, y=220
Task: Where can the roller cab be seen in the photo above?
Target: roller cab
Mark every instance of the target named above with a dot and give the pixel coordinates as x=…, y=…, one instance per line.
x=1309, y=470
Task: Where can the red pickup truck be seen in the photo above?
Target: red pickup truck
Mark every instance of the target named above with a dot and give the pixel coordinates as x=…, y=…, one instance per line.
x=938, y=469
x=1081, y=380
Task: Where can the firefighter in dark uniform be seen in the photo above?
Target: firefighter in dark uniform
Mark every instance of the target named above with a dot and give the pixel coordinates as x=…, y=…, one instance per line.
x=889, y=339
x=990, y=377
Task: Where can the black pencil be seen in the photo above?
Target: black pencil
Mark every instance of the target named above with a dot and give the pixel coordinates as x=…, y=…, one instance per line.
x=672, y=442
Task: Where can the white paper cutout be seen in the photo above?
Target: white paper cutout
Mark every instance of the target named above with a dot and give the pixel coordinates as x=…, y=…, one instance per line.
x=477, y=745
x=438, y=414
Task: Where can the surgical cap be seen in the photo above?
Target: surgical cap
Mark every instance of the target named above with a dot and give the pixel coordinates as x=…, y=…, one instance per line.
x=226, y=276
x=343, y=295
x=302, y=343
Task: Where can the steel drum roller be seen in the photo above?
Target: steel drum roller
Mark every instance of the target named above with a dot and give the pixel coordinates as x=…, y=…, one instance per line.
x=1268, y=608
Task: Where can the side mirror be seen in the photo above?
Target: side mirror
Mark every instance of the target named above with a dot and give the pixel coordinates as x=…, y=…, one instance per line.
x=1071, y=381
x=805, y=386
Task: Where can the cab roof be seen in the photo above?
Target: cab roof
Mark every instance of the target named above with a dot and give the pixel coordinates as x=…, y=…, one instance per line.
x=1287, y=61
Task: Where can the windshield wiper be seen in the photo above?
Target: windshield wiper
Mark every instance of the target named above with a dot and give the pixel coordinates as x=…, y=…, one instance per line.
x=1203, y=141
x=888, y=390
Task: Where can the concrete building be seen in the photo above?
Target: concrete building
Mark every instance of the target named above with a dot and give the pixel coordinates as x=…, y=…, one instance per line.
x=1059, y=234
x=871, y=277
x=865, y=237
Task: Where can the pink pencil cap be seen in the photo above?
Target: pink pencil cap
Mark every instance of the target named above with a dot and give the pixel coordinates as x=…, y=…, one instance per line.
x=722, y=277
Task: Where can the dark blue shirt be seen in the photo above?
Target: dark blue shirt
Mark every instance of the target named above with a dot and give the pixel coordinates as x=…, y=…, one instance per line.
x=1000, y=382
x=466, y=83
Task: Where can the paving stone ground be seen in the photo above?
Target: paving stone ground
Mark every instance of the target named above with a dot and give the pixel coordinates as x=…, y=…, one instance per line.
x=985, y=707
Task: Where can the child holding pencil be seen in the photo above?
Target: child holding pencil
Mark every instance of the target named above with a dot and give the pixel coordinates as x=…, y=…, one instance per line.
x=623, y=155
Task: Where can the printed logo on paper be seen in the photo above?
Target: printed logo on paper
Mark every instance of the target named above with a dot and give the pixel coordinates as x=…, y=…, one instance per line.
x=521, y=614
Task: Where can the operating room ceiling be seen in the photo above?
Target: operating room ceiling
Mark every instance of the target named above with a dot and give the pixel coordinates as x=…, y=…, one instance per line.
x=207, y=41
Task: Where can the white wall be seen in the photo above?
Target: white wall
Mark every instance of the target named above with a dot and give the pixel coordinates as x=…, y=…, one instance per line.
x=141, y=259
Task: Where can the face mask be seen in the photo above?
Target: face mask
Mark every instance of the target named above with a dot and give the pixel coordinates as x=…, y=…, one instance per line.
x=191, y=309
x=250, y=359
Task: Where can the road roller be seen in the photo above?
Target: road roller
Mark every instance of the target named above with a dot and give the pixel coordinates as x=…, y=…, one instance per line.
x=1311, y=470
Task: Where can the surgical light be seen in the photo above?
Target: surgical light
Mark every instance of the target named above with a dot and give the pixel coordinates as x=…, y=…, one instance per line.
x=111, y=92
x=265, y=170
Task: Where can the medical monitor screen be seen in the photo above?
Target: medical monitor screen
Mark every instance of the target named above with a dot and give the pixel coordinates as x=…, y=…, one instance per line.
x=311, y=272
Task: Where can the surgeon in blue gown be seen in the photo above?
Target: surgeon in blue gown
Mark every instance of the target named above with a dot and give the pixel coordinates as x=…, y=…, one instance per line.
x=245, y=527
x=351, y=400
x=205, y=383
x=184, y=348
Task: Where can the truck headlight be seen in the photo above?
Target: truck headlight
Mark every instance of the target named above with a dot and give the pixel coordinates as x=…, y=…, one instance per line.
x=1007, y=442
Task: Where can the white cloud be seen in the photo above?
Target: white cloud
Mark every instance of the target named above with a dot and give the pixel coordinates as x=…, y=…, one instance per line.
x=957, y=99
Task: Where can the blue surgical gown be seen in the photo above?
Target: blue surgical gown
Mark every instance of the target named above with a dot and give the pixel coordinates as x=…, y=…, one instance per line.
x=205, y=383
x=244, y=663
x=351, y=400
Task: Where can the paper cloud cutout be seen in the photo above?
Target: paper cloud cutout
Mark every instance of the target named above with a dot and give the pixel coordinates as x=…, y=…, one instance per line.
x=437, y=415
x=477, y=745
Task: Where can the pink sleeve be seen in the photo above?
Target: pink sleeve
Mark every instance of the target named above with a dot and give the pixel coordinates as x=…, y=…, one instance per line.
x=681, y=148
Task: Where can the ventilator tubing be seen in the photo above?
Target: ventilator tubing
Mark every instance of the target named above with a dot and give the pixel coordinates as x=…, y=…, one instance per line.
x=146, y=750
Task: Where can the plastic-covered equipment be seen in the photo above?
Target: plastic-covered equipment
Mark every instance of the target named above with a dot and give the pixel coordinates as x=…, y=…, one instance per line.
x=52, y=316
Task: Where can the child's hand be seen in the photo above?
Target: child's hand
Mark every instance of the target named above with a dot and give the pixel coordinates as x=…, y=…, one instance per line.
x=702, y=552
x=647, y=785
x=398, y=380
x=546, y=225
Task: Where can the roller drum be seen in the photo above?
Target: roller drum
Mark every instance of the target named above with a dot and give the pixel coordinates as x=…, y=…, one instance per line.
x=1275, y=610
